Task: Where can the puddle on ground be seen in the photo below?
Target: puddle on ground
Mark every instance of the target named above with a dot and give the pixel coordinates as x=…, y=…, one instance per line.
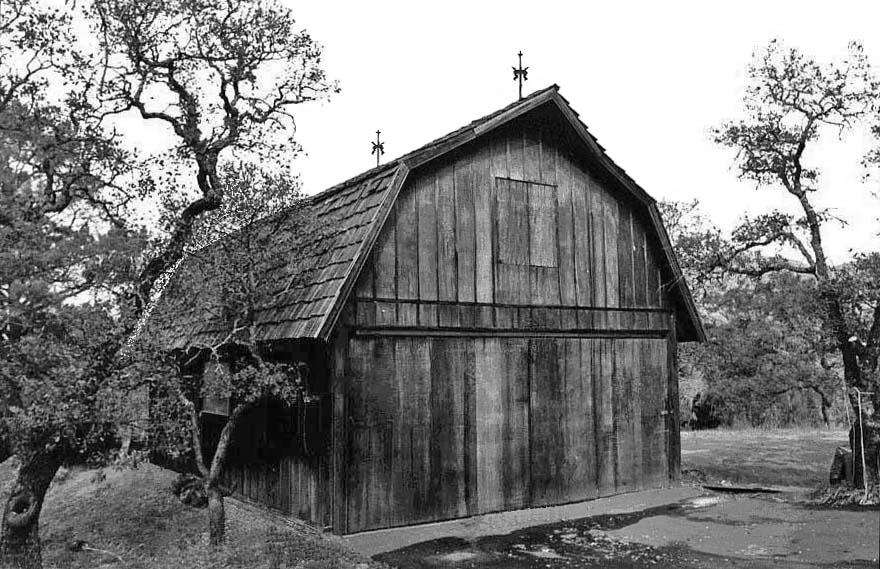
x=457, y=556
x=703, y=502
x=543, y=553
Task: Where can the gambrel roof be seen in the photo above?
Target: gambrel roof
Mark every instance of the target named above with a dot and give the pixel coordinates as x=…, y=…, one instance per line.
x=357, y=209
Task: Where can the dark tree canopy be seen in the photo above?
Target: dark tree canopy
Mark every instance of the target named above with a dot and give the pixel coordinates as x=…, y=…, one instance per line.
x=78, y=268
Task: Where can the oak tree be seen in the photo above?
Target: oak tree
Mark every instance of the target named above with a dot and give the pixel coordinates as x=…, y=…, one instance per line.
x=790, y=104
x=209, y=316
x=64, y=255
x=79, y=269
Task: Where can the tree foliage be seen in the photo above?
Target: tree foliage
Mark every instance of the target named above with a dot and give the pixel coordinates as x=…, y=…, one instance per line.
x=65, y=254
x=224, y=77
x=770, y=360
x=78, y=268
x=253, y=247
x=790, y=104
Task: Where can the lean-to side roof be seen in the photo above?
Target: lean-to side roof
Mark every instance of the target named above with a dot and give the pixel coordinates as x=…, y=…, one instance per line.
x=355, y=211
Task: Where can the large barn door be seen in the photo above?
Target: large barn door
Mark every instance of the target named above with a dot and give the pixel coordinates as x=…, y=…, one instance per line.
x=411, y=437
x=442, y=428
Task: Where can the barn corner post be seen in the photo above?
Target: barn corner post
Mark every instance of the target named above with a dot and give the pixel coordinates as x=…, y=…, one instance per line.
x=337, y=348
x=672, y=406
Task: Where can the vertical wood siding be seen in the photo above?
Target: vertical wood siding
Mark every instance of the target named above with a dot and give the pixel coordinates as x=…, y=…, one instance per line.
x=513, y=234
x=295, y=485
x=442, y=428
x=511, y=220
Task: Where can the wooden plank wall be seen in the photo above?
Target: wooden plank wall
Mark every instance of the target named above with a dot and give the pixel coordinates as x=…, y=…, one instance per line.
x=442, y=428
x=296, y=485
x=509, y=343
x=464, y=232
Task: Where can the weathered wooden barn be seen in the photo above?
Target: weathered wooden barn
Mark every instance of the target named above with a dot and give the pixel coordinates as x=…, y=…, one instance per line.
x=493, y=322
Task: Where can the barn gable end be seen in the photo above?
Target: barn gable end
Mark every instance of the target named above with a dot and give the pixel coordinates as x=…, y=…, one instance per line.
x=548, y=112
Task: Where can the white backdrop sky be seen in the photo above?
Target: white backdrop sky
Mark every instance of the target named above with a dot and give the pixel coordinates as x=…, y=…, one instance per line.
x=650, y=79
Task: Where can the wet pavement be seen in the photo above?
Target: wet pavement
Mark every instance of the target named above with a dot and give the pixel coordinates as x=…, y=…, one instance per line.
x=470, y=529
x=713, y=530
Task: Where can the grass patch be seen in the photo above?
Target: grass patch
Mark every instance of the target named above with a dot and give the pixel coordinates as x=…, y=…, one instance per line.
x=780, y=457
x=133, y=514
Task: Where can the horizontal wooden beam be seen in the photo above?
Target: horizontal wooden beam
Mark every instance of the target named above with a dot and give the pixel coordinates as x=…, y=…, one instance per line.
x=447, y=332
x=482, y=317
x=601, y=309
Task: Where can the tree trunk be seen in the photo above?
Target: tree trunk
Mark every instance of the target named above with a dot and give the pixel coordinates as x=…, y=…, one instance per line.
x=856, y=378
x=20, y=533
x=217, y=516
x=869, y=472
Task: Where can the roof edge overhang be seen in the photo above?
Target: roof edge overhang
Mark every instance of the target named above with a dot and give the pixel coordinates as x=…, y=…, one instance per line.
x=360, y=258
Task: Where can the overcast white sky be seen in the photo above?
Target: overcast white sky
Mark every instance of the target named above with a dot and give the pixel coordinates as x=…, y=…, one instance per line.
x=648, y=78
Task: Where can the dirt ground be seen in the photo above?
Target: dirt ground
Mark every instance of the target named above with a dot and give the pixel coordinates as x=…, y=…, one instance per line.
x=715, y=530
x=130, y=520
x=133, y=518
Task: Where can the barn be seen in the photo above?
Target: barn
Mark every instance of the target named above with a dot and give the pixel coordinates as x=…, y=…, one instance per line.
x=492, y=324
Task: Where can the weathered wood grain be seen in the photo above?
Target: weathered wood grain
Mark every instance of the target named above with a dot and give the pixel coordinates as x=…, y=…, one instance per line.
x=467, y=355
x=386, y=266
x=490, y=424
x=364, y=287
x=549, y=152
x=546, y=424
x=603, y=386
x=426, y=204
x=531, y=156
x=339, y=381
x=640, y=263
x=625, y=256
x=673, y=424
x=587, y=469
x=447, y=277
x=623, y=416
x=407, y=255
x=448, y=430
x=567, y=235
x=413, y=429
x=640, y=474
x=516, y=446
x=513, y=222
x=515, y=156
x=512, y=275
x=465, y=228
x=597, y=263
x=612, y=277
x=543, y=246
x=652, y=276
x=652, y=356
x=483, y=188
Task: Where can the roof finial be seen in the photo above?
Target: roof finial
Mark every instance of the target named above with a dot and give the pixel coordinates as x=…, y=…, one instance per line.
x=521, y=74
x=378, y=147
